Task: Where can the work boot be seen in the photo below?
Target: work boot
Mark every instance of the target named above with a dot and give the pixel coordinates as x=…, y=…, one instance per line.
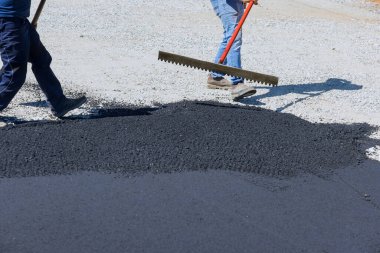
x=241, y=90
x=218, y=83
x=66, y=105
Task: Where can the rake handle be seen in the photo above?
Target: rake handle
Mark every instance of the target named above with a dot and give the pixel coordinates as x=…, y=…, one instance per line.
x=236, y=32
x=38, y=13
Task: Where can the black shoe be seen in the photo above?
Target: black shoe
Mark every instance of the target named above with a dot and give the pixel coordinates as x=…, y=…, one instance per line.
x=66, y=105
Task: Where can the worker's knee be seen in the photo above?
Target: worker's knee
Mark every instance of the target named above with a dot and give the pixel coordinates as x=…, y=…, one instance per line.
x=239, y=39
x=13, y=74
x=42, y=61
x=12, y=79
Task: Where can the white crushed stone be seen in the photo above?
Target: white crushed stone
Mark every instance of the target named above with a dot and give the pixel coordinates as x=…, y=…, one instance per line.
x=108, y=49
x=374, y=153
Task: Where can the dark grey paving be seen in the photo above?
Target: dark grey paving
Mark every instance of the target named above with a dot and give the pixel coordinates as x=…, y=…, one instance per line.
x=214, y=211
x=190, y=177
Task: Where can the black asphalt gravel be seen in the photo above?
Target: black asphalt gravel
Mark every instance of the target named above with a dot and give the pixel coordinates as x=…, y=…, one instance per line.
x=180, y=137
x=248, y=180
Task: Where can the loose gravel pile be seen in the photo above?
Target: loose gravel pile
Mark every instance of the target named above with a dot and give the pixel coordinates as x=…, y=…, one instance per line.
x=181, y=136
x=109, y=50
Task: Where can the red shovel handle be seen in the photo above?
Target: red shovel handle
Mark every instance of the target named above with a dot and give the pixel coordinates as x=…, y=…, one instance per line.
x=236, y=32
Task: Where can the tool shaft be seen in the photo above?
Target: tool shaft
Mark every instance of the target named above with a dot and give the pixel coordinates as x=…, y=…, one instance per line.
x=236, y=32
x=38, y=13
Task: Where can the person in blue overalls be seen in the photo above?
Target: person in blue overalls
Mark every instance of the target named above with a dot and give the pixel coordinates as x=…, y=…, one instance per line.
x=230, y=12
x=20, y=44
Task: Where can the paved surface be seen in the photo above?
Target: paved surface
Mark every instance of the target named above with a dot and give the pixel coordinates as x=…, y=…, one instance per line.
x=214, y=211
x=180, y=137
x=214, y=198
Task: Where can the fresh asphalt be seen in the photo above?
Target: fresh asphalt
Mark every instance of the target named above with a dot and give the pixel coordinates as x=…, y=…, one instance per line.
x=188, y=177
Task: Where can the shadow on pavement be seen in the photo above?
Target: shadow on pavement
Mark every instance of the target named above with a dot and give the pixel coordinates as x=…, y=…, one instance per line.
x=93, y=114
x=309, y=89
x=39, y=104
x=114, y=112
x=9, y=118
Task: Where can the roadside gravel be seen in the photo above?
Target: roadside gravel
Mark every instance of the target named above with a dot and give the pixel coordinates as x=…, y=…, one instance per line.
x=326, y=53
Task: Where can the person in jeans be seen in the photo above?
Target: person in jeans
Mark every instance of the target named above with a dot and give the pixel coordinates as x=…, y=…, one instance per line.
x=20, y=44
x=230, y=12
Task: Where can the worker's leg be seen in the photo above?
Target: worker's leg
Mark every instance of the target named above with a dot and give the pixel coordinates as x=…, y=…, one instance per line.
x=14, y=46
x=231, y=11
x=41, y=60
x=218, y=7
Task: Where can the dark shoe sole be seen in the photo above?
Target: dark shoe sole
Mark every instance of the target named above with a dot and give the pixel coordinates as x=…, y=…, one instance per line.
x=244, y=95
x=63, y=113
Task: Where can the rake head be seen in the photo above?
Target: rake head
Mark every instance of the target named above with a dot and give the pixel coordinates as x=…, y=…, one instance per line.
x=208, y=66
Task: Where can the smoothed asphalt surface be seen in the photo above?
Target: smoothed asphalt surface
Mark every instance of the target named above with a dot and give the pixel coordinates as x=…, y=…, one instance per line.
x=241, y=180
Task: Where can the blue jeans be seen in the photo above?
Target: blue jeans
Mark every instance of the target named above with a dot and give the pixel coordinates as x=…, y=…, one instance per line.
x=230, y=12
x=20, y=44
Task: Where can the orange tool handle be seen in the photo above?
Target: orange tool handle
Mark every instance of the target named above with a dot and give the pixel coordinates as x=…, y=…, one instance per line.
x=236, y=32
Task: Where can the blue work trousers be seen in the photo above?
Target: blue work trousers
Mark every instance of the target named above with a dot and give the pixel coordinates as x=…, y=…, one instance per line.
x=20, y=44
x=230, y=12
